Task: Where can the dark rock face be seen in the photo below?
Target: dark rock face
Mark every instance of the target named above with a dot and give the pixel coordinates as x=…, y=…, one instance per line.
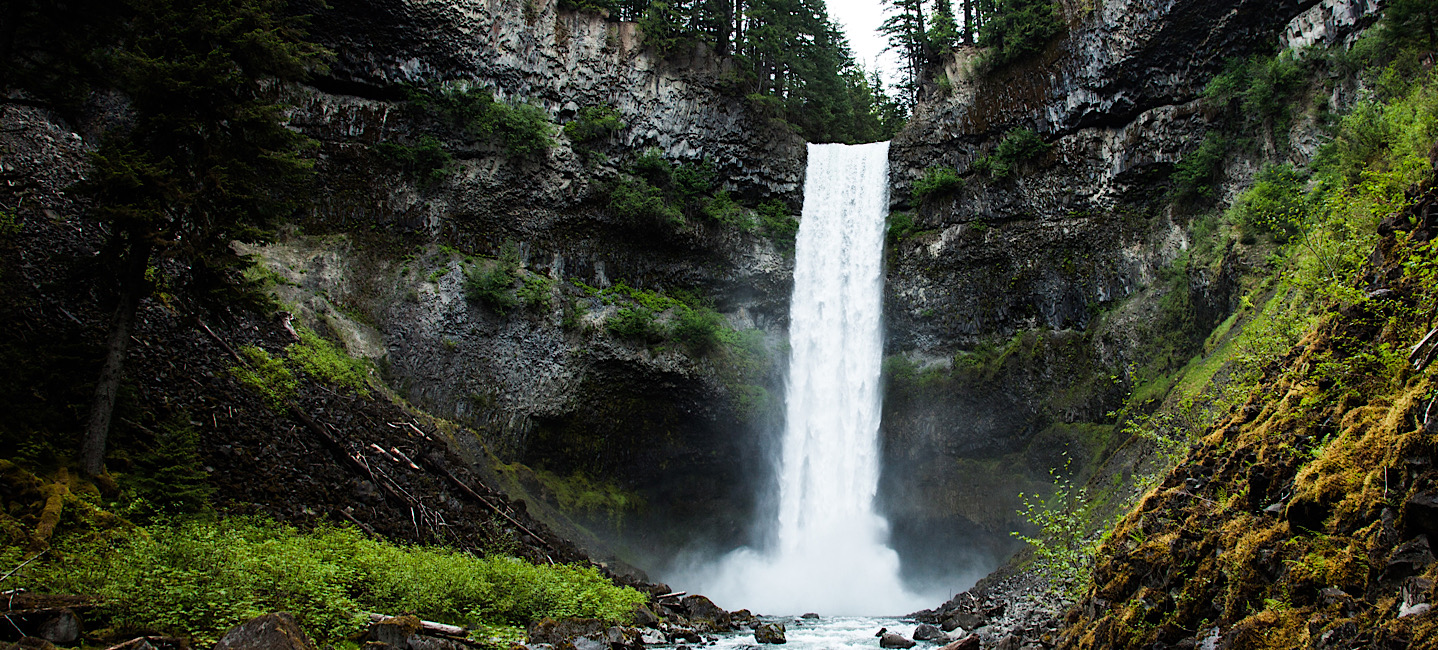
x=892, y=640
x=1059, y=268
x=269, y=632
x=926, y=632
x=770, y=633
x=566, y=399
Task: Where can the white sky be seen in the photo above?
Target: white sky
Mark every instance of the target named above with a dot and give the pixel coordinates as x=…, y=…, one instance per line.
x=860, y=20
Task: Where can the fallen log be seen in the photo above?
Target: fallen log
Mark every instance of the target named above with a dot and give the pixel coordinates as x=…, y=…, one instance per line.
x=426, y=627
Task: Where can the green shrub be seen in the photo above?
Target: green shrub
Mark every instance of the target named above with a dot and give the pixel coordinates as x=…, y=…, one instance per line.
x=594, y=123
x=426, y=162
x=638, y=203
x=523, y=129
x=635, y=323
x=324, y=361
x=699, y=328
x=267, y=375
x=1193, y=177
x=165, y=477
x=493, y=286
x=536, y=292
x=653, y=167
x=1065, y=546
x=1275, y=204
x=1017, y=147
x=900, y=227
x=201, y=578
x=692, y=180
x=720, y=208
x=936, y=182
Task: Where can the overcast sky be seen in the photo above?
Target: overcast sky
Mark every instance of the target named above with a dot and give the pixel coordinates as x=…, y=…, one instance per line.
x=860, y=20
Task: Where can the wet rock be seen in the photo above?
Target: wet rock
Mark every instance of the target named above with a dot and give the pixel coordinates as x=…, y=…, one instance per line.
x=395, y=631
x=810, y=615
x=703, y=612
x=645, y=617
x=277, y=631
x=928, y=632
x=1410, y=558
x=744, y=618
x=554, y=632
x=969, y=620
x=1415, y=595
x=62, y=628
x=677, y=634
x=970, y=642
x=1420, y=513
x=770, y=633
x=891, y=640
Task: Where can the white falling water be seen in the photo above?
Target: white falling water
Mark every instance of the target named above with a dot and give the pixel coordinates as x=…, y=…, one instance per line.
x=831, y=555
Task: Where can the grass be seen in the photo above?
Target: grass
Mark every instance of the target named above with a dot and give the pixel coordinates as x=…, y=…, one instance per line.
x=202, y=577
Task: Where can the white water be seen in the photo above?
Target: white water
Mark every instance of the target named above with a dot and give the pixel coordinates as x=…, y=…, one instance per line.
x=831, y=555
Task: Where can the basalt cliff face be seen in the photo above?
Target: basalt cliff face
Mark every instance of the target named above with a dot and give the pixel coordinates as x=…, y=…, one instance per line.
x=670, y=437
x=1023, y=309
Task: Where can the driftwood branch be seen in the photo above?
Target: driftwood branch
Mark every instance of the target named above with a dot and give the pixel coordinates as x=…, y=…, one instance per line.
x=22, y=565
x=430, y=627
x=1422, y=354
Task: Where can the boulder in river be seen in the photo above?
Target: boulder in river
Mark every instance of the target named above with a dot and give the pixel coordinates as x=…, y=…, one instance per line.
x=770, y=633
x=891, y=640
x=926, y=632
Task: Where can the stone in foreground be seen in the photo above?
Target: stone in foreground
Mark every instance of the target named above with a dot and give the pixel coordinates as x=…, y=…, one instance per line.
x=277, y=631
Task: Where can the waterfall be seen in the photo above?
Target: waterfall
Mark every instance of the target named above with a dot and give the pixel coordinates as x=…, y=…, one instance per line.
x=830, y=554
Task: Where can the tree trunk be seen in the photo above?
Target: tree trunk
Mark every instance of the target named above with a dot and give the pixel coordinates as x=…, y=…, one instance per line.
x=92, y=450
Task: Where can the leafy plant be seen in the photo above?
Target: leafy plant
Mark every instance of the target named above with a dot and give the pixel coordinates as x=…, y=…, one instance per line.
x=536, y=292
x=937, y=181
x=637, y=202
x=778, y=225
x=699, y=328
x=594, y=123
x=635, y=323
x=1065, y=545
x=1194, y=175
x=1017, y=147
x=427, y=161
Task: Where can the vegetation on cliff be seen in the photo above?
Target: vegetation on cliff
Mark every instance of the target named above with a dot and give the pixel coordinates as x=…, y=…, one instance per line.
x=1289, y=507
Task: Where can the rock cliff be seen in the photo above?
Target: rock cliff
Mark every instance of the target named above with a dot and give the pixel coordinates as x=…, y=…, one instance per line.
x=1023, y=309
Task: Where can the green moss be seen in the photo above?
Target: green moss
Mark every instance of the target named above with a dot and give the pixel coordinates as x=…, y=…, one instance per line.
x=328, y=363
x=268, y=375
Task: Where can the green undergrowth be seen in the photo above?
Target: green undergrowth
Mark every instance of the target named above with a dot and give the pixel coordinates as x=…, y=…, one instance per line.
x=201, y=577
x=275, y=377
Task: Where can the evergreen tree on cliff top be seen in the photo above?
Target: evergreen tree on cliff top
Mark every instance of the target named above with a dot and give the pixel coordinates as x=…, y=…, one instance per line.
x=201, y=157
